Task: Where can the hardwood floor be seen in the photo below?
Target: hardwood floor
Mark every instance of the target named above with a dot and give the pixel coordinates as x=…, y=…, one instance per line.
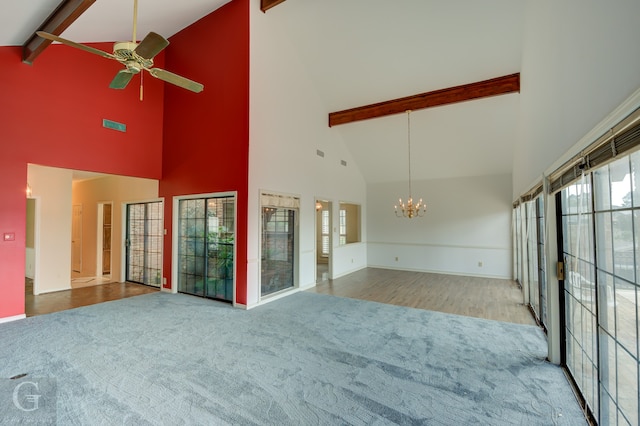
x=76, y=297
x=488, y=298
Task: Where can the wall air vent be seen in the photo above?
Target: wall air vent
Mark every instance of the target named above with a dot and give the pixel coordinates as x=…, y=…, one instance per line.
x=108, y=124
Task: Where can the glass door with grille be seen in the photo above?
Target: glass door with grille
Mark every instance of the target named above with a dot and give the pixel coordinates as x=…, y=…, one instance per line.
x=278, y=243
x=206, y=247
x=278, y=254
x=144, y=240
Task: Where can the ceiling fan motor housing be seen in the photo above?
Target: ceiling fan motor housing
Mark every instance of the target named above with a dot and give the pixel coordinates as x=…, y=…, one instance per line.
x=126, y=46
x=125, y=52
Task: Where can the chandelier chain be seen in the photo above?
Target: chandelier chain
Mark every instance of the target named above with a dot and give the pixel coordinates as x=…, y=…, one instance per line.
x=409, y=146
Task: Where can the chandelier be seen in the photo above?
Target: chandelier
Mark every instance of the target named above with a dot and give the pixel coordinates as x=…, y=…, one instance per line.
x=409, y=209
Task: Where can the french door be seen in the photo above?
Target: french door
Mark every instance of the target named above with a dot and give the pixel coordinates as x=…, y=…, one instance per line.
x=144, y=240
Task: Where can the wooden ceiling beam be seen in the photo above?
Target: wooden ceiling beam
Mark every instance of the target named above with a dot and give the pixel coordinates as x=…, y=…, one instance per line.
x=466, y=92
x=268, y=4
x=63, y=16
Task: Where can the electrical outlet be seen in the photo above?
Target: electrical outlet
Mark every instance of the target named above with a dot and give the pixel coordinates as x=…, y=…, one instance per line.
x=396, y=258
x=9, y=236
x=480, y=264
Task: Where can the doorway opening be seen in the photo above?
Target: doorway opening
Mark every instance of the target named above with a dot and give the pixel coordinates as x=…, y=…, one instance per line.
x=324, y=241
x=30, y=247
x=76, y=238
x=103, y=251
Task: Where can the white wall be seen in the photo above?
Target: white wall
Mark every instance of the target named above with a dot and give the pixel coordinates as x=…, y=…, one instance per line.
x=288, y=123
x=468, y=221
x=580, y=61
x=52, y=188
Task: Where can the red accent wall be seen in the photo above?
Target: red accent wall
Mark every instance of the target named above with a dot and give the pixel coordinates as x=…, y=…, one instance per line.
x=51, y=114
x=206, y=135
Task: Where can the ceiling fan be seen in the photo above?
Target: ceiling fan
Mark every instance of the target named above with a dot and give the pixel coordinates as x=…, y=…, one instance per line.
x=135, y=57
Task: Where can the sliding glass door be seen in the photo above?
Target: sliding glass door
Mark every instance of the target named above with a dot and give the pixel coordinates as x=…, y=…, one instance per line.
x=145, y=234
x=542, y=261
x=617, y=222
x=601, y=248
x=580, y=289
x=529, y=254
x=206, y=247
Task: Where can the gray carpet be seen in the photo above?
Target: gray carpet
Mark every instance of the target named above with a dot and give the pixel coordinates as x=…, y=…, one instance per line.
x=303, y=360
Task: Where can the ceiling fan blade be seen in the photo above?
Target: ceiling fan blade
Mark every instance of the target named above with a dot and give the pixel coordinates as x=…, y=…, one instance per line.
x=151, y=45
x=74, y=44
x=180, y=81
x=121, y=79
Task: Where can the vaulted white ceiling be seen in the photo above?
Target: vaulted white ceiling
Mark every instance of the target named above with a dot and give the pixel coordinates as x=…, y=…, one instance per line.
x=359, y=52
x=105, y=20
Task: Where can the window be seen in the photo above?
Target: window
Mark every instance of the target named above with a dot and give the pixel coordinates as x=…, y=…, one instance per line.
x=343, y=227
x=325, y=233
x=349, y=223
x=278, y=243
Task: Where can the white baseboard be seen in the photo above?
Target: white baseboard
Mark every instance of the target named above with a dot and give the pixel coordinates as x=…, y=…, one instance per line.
x=13, y=318
x=432, y=271
x=55, y=290
x=351, y=271
x=307, y=286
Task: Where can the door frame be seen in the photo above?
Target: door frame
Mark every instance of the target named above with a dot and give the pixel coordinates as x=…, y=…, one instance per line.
x=73, y=220
x=36, y=242
x=99, y=239
x=318, y=238
x=175, y=221
x=123, y=236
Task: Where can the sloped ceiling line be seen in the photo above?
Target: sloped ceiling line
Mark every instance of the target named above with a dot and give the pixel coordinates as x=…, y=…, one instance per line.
x=482, y=89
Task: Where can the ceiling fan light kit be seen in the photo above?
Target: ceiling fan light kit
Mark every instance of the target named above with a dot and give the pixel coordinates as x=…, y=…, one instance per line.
x=135, y=57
